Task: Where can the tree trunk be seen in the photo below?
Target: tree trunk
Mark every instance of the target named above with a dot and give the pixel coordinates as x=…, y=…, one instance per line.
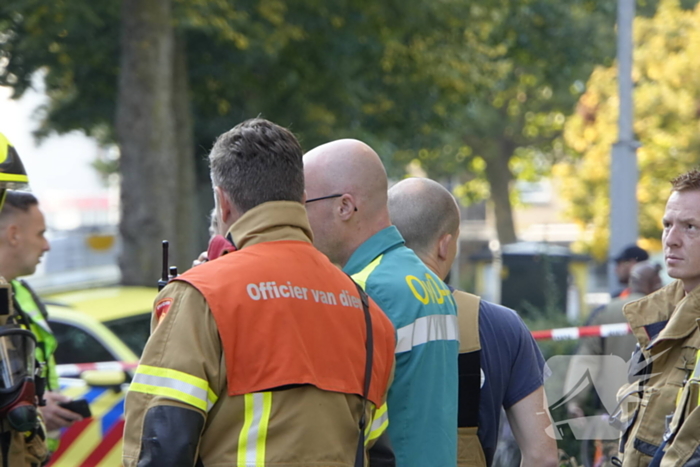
x=147, y=138
x=186, y=248
x=499, y=177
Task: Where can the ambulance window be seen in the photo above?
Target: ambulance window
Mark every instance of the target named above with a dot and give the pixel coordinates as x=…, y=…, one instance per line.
x=133, y=330
x=77, y=346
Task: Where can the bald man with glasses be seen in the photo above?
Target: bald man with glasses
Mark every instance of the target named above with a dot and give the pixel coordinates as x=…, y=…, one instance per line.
x=346, y=187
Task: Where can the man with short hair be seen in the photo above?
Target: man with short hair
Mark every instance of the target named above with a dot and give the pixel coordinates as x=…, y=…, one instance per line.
x=268, y=355
x=22, y=244
x=346, y=185
x=495, y=344
x=624, y=262
x=665, y=324
x=22, y=434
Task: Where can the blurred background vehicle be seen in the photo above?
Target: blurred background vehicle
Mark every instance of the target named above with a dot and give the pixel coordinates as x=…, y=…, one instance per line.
x=106, y=324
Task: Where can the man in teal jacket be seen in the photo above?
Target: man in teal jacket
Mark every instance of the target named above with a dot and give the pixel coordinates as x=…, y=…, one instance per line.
x=346, y=189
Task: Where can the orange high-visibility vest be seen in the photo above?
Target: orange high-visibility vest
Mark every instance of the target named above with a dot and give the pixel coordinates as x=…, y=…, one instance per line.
x=287, y=316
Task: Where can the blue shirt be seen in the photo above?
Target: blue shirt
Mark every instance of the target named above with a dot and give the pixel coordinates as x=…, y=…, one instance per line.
x=513, y=368
x=422, y=400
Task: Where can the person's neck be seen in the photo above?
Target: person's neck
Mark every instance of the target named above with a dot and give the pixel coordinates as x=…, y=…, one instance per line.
x=432, y=263
x=8, y=275
x=690, y=286
x=6, y=270
x=359, y=236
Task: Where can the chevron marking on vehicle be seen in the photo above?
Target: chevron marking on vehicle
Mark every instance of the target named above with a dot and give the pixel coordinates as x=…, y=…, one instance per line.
x=110, y=443
x=92, y=440
x=69, y=435
x=114, y=458
x=112, y=417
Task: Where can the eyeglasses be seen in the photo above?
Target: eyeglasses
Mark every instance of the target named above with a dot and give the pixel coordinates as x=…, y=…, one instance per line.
x=324, y=197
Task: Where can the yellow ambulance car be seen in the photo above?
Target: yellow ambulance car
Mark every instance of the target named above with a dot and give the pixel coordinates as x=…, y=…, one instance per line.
x=92, y=327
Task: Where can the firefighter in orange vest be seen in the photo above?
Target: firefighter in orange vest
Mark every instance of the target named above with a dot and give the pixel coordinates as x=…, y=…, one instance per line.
x=268, y=355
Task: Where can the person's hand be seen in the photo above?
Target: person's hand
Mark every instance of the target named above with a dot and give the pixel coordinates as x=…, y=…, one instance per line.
x=56, y=417
x=574, y=410
x=203, y=258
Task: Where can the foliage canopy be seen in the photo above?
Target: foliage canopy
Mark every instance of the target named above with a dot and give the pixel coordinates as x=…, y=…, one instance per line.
x=666, y=74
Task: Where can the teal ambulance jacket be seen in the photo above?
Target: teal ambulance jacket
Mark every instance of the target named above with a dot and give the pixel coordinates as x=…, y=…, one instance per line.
x=422, y=401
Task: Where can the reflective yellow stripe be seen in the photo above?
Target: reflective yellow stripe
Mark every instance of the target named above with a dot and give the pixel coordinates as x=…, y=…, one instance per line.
x=4, y=147
x=173, y=384
x=262, y=434
x=694, y=380
x=362, y=276
x=696, y=373
x=243, y=437
x=13, y=178
x=253, y=436
x=380, y=422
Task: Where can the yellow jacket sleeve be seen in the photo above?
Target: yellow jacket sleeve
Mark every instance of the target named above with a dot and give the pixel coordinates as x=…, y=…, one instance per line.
x=181, y=367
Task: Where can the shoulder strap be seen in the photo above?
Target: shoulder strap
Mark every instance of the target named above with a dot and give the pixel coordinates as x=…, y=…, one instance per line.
x=37, y=301
x=469, y=397
x=369, y=350
x=468, y=318
x=5, y=441
x=19, y=317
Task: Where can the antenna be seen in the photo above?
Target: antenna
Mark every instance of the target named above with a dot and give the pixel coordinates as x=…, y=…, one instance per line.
x=164, y=274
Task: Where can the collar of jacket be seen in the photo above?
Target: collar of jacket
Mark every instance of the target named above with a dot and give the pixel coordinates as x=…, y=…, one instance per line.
x=667, y=304
x=378, y=244
x=270, y=222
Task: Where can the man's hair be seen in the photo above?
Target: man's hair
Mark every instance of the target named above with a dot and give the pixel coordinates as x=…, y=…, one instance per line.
x=423, y=214
x=641, y=275
x=687, y=181
x=17, y=201
x=256, y=162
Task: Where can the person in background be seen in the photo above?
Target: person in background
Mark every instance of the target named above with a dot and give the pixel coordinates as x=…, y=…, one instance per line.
x=213, y=229
x=630, y=256
x=495, y=344
x=346, y=186
x=644, y=279
x=22, y=244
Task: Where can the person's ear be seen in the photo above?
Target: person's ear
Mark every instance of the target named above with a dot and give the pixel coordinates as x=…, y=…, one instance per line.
x=11, y=234
x=347, y=207
x=443, y=247
x=225, y=206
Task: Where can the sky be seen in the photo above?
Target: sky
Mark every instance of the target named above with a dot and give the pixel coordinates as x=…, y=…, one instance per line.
x=60, y=166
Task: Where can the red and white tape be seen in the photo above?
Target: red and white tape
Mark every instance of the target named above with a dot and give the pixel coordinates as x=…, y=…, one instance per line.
x=605, y=330
x=78, y=368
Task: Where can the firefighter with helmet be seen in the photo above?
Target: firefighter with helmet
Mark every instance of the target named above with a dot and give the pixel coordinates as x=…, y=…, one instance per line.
x=22, y=438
